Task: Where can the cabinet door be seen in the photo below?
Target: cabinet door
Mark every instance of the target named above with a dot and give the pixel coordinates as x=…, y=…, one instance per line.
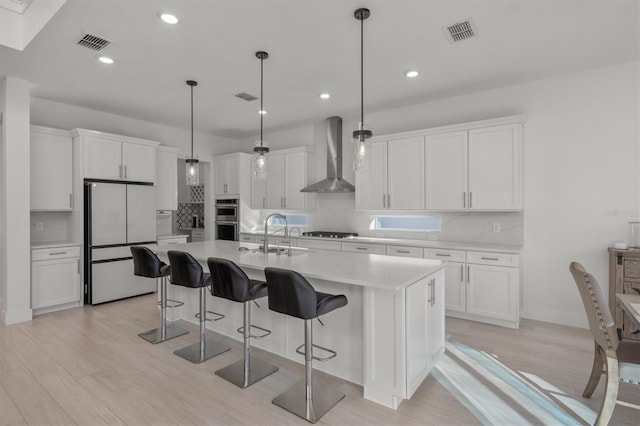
x=455, y=288
x=139, y=162
x=436, y=317
x=405, y=180
x=233, y=176
x=258, y=193
x=371, y=185
x=275, y=182
x=54, y=282
x=222, y=176
x=492, y=291
x=446, y=171
x=417, y=338
x=102, y=158
x=295, y=180
x=51, y=172
x=494, y=168
x=167, y=180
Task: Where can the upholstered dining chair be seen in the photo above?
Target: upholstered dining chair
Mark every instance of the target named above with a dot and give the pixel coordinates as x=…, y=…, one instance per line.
x=620, y=359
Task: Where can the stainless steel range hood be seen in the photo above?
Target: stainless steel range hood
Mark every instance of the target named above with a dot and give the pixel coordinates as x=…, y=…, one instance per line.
x=334, y=181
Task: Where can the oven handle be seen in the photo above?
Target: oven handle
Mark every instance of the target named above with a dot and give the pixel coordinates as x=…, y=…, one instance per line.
x=226, y=205
x=226, y=223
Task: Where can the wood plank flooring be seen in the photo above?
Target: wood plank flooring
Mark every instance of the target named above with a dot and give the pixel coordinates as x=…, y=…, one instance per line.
x=87, y=366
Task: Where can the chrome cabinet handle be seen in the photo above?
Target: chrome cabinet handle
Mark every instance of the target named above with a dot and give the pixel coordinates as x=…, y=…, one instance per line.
x=125, y=171
x=264, y=202
x=384, y=201
x=443, y=255
x=78, y=266
x=470, y=199
x=361, y=248
x=403, y=251
x=57, y=253
x=468, y=275
x=461, y=273
x=388, y=201
x=464, y=200
x=120, y=172
x=70, y=201
x=489, y=258
x=433, y=292
x=285, y=202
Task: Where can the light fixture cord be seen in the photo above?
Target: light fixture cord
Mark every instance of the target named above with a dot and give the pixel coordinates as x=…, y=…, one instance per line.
x=192, y=122
x=261, y=96
x=361, y=74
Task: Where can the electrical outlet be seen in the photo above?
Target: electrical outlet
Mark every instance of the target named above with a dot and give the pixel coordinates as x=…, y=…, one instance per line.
x=39, y=226
x=496, y=227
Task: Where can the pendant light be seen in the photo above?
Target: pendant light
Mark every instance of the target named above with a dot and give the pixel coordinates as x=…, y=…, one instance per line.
x=362, y=152
x=193, y=168
x=260, y=149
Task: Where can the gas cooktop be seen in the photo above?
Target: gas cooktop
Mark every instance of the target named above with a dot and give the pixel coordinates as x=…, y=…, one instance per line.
x=329, y=234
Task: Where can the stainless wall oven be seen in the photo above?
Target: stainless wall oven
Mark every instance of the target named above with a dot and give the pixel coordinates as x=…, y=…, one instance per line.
x=227, y=216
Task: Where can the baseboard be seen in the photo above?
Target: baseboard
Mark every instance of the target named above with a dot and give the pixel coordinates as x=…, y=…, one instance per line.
x=14, y=317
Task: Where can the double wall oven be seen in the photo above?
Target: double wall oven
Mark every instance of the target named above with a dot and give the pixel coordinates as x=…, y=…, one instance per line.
x=226, y=219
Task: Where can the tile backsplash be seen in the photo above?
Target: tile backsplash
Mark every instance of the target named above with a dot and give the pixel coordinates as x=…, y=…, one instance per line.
x=185, y=213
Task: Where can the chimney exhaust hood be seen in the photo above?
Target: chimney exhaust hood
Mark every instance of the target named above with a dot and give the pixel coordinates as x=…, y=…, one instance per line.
x=334, y=181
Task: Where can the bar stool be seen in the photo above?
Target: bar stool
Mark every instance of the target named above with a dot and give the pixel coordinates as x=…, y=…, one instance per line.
x=291, y=294
x=187, y=272
x=230, y=282
x=147, y=264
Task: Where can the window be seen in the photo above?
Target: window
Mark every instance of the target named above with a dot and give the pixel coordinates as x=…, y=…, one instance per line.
x=406, y=223
x=292, y=220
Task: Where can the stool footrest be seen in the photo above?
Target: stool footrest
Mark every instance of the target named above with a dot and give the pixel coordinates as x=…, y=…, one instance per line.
x=333, y=354
x=171, y=303
x=218, y=316
x=255, y=336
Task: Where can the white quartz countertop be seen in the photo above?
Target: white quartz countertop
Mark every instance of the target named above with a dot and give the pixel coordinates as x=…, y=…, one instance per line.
x=54, y=244
x=451, y=245
x=366, y=270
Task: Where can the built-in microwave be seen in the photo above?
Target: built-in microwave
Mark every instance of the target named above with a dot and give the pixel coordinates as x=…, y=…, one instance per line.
x=227, y=210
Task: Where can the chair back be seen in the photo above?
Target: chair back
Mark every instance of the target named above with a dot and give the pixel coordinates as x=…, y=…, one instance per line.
x=228, y=280
x=290, y=293
x=185, y=269
x=146, y=263
x=601, y=322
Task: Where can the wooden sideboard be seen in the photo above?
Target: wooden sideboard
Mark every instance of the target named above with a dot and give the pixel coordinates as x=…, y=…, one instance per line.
x=624, y=277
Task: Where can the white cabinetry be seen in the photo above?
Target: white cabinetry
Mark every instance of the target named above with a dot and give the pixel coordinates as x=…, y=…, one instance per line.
x=51, y=169
x=114, y=157
x=446, y=171
x=363, y=248
x=55, y=278
x=454, y=286
x=166, y=178
x=395, y=179
x=178, y=239
x=227, y=175
x=288, y=172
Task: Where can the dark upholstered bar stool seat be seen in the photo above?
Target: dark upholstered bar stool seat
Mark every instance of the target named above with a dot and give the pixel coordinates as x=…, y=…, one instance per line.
x=147, y=264
x=291, y=294
x=230, y=282
x=187, y=272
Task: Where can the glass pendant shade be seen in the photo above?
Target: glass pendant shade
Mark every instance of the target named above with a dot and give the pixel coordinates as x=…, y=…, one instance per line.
x=260, y=157
x=192, y=171
x=361, y=149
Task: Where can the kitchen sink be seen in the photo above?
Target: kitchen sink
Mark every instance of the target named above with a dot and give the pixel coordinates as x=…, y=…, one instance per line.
x=282, y=251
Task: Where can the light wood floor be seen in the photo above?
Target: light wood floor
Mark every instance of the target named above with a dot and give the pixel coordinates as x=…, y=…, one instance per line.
x=88, y=366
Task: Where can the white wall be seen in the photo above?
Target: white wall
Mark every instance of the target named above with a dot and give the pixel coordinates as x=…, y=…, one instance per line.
x=581, y=174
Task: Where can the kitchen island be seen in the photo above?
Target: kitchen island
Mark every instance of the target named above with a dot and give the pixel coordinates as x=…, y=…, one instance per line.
x=388, y=336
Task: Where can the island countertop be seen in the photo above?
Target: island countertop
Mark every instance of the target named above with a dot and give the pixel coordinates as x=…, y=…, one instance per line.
x=366, y=270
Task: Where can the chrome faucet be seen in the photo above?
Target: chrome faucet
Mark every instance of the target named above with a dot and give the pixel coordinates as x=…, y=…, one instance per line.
x=291, y=230
x=266, y=231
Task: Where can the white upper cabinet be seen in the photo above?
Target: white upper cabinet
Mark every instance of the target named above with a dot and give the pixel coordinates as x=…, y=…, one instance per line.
x=495, y=168
x=288, y=171
x=395, y=179
x=446, y=171
x=51, y=169
x=114, y=157
x=166, y=178
x=227, y=176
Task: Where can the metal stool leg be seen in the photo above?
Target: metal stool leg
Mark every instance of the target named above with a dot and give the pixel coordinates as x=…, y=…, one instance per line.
x=317, y=399
x=247, y=371
x=166, y=331
x=205, y=348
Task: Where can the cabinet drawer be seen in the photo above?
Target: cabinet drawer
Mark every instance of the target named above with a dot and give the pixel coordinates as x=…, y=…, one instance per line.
x=177, y=240
x=488, y=258
x=55, y=253
x=631, y=268
x=404, y=251
x=363, y=248
x=247, y=238
x=446, y=255
x=319, y=245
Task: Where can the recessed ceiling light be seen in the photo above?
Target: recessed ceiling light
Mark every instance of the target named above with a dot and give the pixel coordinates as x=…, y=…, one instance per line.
x=262, y=111
x=169, y=18
x=411, y=74
x=105, y=60
x=325, y=96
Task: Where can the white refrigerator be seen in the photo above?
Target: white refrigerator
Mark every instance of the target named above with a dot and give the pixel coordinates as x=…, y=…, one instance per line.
x=116, y=216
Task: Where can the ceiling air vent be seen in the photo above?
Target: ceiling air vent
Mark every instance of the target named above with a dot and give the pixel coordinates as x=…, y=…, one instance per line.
x=247, y=97
x=93, y=42
x=460, y=31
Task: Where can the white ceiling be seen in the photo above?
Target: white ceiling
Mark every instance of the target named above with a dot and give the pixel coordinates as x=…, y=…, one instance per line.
x=313, y=47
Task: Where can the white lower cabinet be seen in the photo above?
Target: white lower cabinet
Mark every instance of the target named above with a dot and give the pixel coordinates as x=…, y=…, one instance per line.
x=363, y=248
x=55, y=277
x=492, y=291
x=180, y=239
x=455, y=291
